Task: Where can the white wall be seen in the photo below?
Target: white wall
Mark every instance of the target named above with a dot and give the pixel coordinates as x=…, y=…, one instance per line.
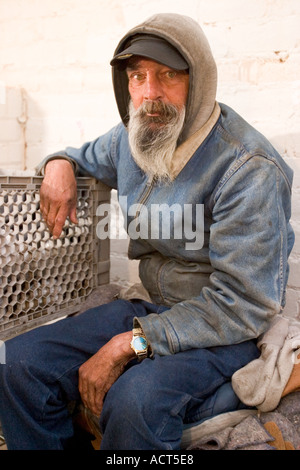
x=55, y=79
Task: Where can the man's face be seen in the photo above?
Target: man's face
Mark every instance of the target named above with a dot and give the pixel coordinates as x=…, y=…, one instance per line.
x=156, y=115
x=154, y=83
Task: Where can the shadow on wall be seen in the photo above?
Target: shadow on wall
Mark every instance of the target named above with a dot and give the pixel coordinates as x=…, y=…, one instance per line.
x=22, y=131
x=11, y=128
x=288, y=145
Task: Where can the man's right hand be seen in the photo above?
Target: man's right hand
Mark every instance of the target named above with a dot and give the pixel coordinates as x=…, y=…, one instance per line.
x=58, y=195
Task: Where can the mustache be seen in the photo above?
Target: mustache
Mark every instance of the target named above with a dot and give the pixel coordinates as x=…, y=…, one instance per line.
x=153, y=146
x=166, y=112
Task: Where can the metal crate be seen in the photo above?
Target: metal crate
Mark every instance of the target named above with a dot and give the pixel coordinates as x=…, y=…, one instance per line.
x=42, y=279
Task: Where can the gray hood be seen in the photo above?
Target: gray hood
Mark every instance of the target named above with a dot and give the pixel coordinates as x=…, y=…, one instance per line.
x=188, y=38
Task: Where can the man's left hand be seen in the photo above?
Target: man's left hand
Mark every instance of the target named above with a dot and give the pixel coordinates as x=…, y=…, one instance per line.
x=99, y=373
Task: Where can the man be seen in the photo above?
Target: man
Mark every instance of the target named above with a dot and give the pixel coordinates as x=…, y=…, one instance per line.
x=199, y=309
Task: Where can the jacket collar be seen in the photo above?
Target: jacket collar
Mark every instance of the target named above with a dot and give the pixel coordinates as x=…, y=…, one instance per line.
x=186, y=150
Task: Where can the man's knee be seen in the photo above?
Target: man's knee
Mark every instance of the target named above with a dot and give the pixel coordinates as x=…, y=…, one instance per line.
x=141, y=410
x=16, y=370
x=24, y=364
x=130, y=395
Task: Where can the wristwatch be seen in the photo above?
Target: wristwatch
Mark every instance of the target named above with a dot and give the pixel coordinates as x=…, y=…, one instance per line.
x=139, y=343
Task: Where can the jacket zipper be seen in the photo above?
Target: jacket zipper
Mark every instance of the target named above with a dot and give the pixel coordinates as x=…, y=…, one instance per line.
x=145, y=196
x=149, y=186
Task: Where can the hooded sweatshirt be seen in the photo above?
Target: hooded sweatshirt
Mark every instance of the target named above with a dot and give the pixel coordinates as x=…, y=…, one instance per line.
x=227, y=287
x=187, y=37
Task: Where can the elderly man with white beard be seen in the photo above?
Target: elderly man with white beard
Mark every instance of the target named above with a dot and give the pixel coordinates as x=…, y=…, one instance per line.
x=150, y=364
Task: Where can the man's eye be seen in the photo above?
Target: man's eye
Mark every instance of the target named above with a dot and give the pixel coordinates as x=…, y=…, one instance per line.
x=137, y=77
x=171, y=74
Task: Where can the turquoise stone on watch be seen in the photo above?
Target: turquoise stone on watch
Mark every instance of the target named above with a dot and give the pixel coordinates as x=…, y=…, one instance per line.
x=139, y=343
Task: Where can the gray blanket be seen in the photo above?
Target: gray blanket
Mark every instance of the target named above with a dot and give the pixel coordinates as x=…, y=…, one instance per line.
x=276, y=430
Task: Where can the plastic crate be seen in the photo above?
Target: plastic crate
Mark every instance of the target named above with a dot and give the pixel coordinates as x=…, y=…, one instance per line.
x=42, y=279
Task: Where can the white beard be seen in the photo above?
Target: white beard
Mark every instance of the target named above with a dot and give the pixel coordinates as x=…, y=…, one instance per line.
x=153, y=140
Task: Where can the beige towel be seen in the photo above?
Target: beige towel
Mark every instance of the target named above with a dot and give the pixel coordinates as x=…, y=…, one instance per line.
x=261, y=383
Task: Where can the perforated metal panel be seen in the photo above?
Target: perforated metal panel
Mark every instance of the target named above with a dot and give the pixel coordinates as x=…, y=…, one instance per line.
x=42, y=279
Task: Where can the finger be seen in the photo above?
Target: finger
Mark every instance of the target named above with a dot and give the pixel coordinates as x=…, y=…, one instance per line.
x=51, y=217
x=44, y=204
x=83, y=389
x=59, y=221
x=98, y=402
x=44, y=211
x=73, y=215
x=95, y=397
x=93, y=400
x=89, y=400
x=91, y=397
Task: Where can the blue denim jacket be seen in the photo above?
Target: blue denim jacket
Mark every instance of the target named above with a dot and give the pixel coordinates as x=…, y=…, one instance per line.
x=227, y=290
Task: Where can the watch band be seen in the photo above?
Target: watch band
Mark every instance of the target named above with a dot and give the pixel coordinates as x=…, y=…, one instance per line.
x=136, y=333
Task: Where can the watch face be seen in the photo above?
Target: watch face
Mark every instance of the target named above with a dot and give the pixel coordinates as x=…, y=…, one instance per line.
x=139, y=343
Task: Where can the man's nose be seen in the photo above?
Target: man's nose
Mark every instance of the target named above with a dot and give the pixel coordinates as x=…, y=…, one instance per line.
x=153, y=88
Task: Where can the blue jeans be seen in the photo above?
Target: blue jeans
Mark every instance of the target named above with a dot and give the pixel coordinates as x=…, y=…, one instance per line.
x=146, y=407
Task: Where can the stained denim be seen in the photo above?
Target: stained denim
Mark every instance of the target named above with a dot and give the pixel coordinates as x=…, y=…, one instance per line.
x=147, y=406
x=229, y=290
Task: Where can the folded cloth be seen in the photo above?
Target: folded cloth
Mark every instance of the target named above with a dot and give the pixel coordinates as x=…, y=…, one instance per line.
x=262, y=382
x=247, y=434
x=208, y=431
x=260, y=431
x=289, y=407
x=215, y=441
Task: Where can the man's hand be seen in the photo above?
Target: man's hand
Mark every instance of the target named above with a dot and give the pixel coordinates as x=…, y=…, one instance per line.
x=58, y=195
x=99, y=373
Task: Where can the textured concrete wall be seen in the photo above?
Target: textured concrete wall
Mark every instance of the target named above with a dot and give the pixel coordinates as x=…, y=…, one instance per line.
x=55, y=79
